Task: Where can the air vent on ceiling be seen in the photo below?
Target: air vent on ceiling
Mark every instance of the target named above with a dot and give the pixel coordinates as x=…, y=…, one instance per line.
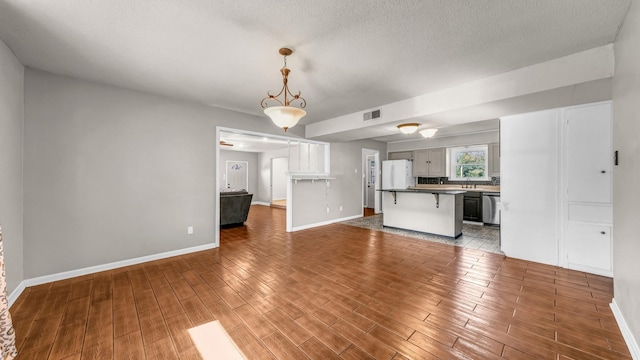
x=371, y=115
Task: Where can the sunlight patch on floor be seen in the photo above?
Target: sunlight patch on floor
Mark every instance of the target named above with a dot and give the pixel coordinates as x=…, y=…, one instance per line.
x=213, y=342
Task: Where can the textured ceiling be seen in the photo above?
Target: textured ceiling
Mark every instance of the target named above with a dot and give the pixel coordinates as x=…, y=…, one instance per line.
x=350, y=55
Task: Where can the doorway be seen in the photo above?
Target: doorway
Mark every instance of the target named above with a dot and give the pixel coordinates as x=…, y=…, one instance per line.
x=279, y=168
x=371, y=196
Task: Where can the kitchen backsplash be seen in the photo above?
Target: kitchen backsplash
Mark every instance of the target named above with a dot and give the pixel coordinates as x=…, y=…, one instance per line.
x=444, y=180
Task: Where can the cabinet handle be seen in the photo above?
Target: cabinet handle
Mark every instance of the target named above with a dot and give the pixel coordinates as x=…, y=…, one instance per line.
x=602, y=232
x=602, y=171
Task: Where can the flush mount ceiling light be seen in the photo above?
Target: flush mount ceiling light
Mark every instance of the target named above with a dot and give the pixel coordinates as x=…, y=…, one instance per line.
x=427, y=133
x=284, y=115
x=409, y=128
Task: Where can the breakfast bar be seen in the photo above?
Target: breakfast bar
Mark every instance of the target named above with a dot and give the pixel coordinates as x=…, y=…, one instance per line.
x=431, y=211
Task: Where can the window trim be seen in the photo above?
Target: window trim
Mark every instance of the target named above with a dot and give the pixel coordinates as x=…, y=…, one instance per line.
x=453, y=163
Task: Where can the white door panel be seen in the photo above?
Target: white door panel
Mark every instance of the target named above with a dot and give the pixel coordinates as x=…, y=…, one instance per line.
x=529, y=186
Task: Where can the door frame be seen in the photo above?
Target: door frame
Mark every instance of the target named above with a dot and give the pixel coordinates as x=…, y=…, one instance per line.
x=216, y=169
x=378, y=182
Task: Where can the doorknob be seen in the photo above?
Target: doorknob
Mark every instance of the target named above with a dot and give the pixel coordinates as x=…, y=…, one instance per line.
x=603, y=171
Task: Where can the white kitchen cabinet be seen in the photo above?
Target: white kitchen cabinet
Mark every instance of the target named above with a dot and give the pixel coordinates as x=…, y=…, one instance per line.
x=588, y=153
x=494, y=159
x=429, y=162
x=588, y=201
x=588, y=247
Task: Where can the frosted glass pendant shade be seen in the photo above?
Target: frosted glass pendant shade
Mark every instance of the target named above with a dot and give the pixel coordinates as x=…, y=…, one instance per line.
x=427, y=133
x=285, y=116
x=408, y=128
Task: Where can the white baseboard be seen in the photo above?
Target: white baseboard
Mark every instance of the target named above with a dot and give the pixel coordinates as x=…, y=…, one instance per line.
x=16, y=292
x=303, y=227
x=94, y=269
x=260, y=203
x=634, y=349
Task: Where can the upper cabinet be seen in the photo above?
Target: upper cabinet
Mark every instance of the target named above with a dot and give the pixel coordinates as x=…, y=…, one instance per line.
x=429, y=162
x=588, y=154
x=494, y=159
x=401, y=155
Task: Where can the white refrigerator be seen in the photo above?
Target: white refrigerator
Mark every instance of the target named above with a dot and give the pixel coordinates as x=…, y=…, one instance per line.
x=397, y=174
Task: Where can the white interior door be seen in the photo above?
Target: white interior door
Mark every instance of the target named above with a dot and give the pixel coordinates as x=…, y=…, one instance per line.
x=279, y=178
x=237, y=175
x=371, y=181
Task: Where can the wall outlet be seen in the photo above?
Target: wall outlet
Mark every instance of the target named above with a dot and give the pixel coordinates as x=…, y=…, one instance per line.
x=190, y=230
x=355, y=171
x=340, y=207
x=328, y=209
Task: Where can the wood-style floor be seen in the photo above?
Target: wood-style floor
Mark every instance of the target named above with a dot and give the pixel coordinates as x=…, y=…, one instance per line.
x=334, y=292
x=368, y=212
x=279, y=204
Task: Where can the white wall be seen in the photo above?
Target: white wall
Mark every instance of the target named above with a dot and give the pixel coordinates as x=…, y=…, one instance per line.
x=626, y=192
x=310, y=200
x=112, y=174
x=11, y=175
x=252, y=164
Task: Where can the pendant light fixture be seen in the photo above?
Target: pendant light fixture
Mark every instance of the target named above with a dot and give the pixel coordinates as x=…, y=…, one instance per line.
x=284, y=115
x=409, y=128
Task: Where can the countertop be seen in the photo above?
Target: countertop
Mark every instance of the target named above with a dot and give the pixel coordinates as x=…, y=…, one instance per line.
x=451, y=187
x=414, y=190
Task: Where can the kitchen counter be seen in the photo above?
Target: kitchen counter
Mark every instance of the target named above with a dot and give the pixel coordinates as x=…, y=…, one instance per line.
x=435, y=211
x=429, y=191
x=451, y=187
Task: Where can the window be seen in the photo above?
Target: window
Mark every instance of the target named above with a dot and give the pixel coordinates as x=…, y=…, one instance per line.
x=470, y=162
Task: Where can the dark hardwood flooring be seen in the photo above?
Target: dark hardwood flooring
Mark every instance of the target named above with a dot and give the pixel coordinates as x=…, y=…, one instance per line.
x=334, y=292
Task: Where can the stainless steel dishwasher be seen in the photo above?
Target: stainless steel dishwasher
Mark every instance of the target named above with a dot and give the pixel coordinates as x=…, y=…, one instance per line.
x=491, y=208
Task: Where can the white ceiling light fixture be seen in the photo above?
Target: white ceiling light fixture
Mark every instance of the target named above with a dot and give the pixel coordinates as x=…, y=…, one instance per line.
x=409, y=128
x=284, y=115
x=427, y=133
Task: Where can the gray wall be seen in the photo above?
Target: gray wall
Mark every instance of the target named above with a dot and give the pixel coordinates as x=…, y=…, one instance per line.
x=11, y=192
x=626, y=193
x=113, y=174
x=252, y=160
x=310, y=200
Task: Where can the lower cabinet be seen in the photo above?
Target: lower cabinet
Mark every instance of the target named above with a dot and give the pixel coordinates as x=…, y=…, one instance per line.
x=472, y=205
x=589, y=247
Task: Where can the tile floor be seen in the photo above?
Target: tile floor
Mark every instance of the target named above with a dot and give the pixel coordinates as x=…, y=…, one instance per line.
x=474, y=236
